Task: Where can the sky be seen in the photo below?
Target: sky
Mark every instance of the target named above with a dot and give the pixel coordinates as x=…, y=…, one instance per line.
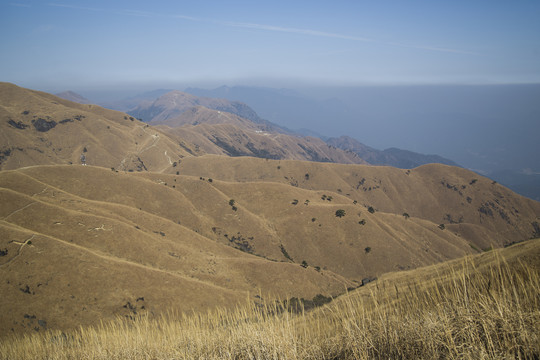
x=60, y=44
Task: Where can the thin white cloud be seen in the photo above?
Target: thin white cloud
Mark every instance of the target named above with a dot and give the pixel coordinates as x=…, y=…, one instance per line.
x=339, y=36
x=293, y=30
x=275, y=28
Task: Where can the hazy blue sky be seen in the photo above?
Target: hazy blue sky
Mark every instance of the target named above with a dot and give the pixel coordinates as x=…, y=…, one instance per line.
x=63, y=44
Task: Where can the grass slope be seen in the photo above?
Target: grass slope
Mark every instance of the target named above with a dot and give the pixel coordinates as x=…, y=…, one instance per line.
x=480, y=307
x=470, y=206
x=82, y=243
x=37, y=128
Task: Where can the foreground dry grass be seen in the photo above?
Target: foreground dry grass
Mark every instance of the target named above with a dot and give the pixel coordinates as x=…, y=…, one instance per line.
x=479, y=307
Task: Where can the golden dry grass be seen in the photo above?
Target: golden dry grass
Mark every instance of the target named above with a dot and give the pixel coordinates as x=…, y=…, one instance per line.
x=483, y=307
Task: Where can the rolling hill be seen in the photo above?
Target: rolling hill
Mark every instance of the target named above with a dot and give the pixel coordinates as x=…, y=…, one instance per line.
x=157, y=223
x=98, y=243
x=84, y=243
x=37, y=128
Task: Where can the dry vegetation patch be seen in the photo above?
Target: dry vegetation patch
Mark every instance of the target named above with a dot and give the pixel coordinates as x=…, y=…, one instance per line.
x=478, y=307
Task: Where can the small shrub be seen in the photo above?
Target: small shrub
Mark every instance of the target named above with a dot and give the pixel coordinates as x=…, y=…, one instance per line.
x=367, y=250
x=371, y=209
x=442, y=227
x=294, y=202
x=231, y=202
x=304, y=264
x=362, y=222
x=406, y=216
x=285, y=253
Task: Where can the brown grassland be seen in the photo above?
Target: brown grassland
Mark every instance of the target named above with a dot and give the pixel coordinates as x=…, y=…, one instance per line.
x=479, y=307
x=173, y=244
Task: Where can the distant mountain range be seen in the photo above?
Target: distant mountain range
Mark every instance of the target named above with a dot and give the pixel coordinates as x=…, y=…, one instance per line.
x=488, y=128
x=390, y=157
x=177, y=108
x=288, y=105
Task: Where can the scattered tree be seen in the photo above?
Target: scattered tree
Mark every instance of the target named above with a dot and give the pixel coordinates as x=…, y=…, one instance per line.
x=406, y=216
x=371, y=209
x=340, y=213
x=367, y=250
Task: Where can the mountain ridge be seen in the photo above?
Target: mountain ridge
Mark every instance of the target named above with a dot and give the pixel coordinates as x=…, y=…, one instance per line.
x=403, y=159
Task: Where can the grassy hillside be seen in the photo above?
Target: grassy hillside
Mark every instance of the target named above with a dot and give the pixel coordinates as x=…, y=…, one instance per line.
x=480, y=307
x=153, y=225
x=94, y=242
x=91, y=241
x=471, y=207
x=37, y=128
x=231, y=138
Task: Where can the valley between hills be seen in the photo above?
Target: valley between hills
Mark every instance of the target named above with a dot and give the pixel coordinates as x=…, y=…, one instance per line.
x=205, y=208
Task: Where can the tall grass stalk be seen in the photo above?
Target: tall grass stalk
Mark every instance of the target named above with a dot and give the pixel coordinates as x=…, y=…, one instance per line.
x=463, y=310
